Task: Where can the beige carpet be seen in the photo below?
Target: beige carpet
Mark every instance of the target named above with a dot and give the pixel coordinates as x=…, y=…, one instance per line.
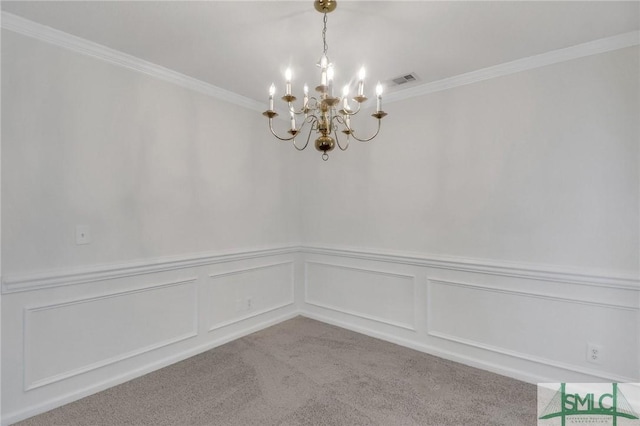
x=304, y=372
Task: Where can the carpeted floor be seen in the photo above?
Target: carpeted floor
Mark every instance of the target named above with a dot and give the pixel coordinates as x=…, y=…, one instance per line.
x=304, y=372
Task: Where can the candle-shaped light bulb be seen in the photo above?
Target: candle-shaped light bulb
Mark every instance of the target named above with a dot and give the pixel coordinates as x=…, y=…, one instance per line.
x=305, y=102
x=287, y=76
x=361, y=75
x=330, y=73
x=330, y=80
x=323, y=70
x=293, y=121
x=379, y=94
x=345, y=97
x=272, y=91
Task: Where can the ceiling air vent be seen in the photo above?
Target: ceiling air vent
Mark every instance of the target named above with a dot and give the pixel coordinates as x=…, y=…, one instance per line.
x=404, y=79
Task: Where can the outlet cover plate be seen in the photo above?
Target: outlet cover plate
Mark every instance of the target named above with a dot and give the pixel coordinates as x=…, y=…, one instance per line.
x=595, y=353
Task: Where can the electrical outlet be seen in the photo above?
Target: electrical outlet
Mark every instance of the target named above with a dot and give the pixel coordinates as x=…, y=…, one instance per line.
x=594, y=353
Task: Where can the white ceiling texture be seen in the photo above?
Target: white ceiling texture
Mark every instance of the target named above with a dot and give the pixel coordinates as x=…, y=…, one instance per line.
x=244, y=46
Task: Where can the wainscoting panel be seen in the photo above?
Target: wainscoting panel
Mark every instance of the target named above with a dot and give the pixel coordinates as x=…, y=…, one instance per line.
x=368, y=293
x=531, y=322
x=66, y=339
x=541, y=328
x=240, y=294
x=70, y=333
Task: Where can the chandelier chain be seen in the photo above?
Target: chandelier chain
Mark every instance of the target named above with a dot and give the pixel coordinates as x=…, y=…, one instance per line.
x=324, y=36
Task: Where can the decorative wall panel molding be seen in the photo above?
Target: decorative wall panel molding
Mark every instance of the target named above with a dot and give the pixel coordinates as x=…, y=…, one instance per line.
x=498, y=315
x=241, y=294
x=70, y=276
x=626, y=281
x=62, y=340
x=46, y=404
x=545, y=329
x=406, y=312
x=631, y=306
x=381, y=296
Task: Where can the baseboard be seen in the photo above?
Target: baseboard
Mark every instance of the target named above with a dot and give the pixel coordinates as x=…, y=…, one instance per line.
x=517, y=374
x=11, y=418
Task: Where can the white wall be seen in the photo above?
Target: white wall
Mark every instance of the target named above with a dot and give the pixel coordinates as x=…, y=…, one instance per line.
x=539, y=166
x=154, y=169
x=0, y=241
x=494, y=223
x=193, y=216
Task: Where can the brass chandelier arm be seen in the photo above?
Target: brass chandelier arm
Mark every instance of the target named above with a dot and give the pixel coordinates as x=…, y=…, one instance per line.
x=351, y=112
x=310, y=106
x=294, y=132
x=342, y=121
x=367, y=139
x=306, y=143
x=335, y=132
x=293, y=110
x=274, y=133
x=313, y=104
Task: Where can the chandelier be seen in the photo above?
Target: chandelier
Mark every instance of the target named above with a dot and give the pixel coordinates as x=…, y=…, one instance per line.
x=321, y=113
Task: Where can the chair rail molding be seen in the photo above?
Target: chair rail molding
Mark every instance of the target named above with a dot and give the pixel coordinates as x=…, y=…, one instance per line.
x=570, y=275
x=82, y=275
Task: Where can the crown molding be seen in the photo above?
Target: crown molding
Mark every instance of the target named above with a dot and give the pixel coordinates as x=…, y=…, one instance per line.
x=552, y=57
x=80, y=45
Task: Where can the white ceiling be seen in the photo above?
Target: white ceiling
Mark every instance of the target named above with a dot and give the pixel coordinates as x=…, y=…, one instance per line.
x=243, y=46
